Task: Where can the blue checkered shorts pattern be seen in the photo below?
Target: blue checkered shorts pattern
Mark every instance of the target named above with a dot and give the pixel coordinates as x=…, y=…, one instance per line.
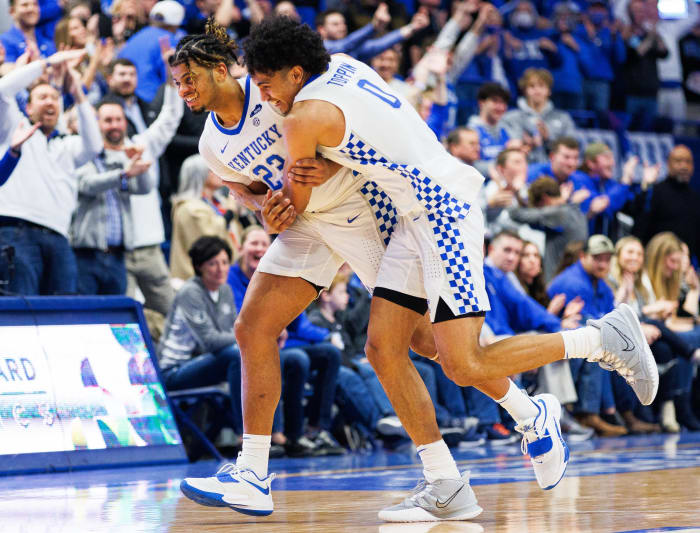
x=431, y=195
x=382, y=208
x=456, y=263
x=444, y=212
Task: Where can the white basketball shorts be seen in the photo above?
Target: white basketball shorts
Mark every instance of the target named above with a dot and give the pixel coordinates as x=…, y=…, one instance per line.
x=436, y=257
x=316, y=245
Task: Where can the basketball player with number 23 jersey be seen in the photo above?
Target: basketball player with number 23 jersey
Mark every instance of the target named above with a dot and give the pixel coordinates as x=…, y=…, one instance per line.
x=348, y=218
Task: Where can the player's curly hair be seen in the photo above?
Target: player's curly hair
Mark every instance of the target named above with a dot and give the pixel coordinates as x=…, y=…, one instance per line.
x=278, y=42
x=206, y=49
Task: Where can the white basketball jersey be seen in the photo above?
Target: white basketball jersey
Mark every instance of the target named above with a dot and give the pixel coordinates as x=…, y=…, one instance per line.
x=387, y=140
x=254, y=151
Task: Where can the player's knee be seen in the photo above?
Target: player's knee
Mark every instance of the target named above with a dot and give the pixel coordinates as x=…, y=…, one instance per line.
x=464, y=368
x=244, y=332
x=424, y=345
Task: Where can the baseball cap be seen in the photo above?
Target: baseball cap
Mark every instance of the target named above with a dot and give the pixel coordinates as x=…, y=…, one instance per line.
x=593, y=150
x=599, y=244
x=168, y=12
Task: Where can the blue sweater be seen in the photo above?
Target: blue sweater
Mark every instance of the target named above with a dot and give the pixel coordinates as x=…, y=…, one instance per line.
x=575, y=281
x=301, y=331
x=14, y=43
x=512, y=311
x=618, y=193
x=545, y=169
x=568, y=76
x=530, y=55
x=601, y=55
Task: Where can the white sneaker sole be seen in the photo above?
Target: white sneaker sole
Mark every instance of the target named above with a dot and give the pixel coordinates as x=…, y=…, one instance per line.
x=214, y=499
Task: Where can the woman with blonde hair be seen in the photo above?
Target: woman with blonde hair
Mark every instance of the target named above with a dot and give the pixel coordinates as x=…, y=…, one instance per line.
x=670, y=271
x=663, y=262
x=632, y=283
x=633, y=286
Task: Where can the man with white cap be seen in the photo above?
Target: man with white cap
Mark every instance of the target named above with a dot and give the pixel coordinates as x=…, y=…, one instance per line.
x=144, y=47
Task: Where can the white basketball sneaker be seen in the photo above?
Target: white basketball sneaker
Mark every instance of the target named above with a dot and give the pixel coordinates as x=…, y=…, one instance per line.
x=626, y=351
x=234, y=487
x=444, y=499
x=542, y=439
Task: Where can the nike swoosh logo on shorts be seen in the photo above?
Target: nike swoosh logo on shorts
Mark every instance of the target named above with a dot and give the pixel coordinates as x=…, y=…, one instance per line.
x=629, y=344
x=448, y=501
x=351, y=220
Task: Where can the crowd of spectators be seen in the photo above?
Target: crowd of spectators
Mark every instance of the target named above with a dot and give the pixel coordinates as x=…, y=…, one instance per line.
x=102, y=192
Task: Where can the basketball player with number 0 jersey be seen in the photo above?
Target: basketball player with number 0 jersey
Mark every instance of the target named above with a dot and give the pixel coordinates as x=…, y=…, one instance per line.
x=342, y=109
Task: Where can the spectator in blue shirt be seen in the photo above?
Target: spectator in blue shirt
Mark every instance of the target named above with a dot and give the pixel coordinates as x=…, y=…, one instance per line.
x=608, y=196
x=493, y=101
x=604, y=51
x=144, y=47
x=25, y=31
x=567, y=92
x=527, y=46
x=513, y=311
x=586, y=279
x=563, y=161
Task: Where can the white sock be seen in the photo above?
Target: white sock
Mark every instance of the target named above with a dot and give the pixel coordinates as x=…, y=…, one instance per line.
x=582, y=342
x=438, y=462
x=255, y=454
x=518, y=404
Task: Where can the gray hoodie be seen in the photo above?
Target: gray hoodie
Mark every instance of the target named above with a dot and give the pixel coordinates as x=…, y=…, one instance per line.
x=525, y=119
x=197, y=323
x=562, y=224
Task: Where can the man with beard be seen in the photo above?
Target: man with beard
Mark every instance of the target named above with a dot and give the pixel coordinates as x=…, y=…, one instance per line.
x=122, y=79
x=105, y=186
x=37, y=201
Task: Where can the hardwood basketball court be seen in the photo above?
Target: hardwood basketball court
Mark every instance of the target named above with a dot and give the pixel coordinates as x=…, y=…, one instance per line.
x=612, y=485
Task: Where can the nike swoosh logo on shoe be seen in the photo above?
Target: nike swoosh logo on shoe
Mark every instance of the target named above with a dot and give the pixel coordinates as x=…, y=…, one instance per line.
x=448, y=501
x=629, y=344
x=264, y=490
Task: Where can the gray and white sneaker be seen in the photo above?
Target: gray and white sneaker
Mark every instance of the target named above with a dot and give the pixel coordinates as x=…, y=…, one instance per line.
x=626, y=351
x=444, y=499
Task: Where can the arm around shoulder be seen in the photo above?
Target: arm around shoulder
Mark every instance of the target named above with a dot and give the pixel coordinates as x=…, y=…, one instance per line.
x=309, y=124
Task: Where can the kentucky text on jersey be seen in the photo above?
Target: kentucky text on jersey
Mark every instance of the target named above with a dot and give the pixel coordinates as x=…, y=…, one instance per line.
x=263, y=142
x=342, y=75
